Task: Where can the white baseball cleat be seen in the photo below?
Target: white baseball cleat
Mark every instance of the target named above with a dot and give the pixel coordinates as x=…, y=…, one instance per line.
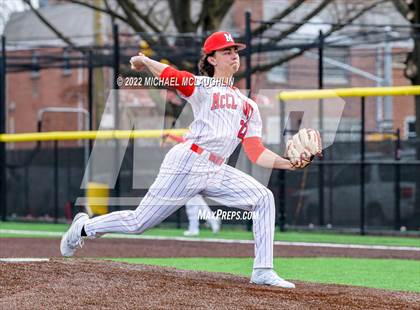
x=269, y=277
x=216, y=226
x=189, y=233
x=73, y=237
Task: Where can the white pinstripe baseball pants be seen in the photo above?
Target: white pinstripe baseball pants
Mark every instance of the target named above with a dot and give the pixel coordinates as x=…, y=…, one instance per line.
x=183, y=175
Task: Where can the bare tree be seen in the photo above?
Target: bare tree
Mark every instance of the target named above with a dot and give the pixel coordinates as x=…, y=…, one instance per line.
x=413, y=58
x=412, y=72
x=153, y=18
x=51, y=26
x=195, y=17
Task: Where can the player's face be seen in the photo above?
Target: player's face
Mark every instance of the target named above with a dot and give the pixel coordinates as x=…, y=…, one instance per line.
x=227, y=60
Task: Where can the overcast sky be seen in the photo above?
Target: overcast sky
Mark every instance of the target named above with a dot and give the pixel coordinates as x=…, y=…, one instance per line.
x=7, y=7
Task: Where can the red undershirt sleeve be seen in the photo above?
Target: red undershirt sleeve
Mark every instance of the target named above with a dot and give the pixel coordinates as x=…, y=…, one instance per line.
x=184, y=81
x=253, y=148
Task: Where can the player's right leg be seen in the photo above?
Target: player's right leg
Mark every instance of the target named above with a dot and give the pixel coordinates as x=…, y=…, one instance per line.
x=152, y=210
x=171, y=189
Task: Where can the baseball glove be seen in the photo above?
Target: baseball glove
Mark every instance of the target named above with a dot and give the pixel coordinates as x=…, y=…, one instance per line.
x=302, y=148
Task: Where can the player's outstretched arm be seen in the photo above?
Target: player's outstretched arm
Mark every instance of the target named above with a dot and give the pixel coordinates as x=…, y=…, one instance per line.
x=140, y=61
x=165, y=71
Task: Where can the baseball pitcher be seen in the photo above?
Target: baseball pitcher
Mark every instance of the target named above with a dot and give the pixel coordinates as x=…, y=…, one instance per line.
x=223, y=118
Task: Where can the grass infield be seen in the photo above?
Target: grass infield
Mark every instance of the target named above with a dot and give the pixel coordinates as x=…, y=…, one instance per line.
x=228, y=233
x=391, y=274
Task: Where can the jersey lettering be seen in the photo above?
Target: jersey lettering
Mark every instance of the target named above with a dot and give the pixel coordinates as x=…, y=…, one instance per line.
x=215, y=104
x=222, y=114
x=247, y=110
x=223, y=101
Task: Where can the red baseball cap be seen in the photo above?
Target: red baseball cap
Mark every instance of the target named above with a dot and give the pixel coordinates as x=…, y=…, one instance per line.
x=220, y=40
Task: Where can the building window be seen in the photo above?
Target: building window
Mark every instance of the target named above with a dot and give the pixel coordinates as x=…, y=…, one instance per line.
x=410, y=127
x=333, y=73
x=35, y=65
x=277, y=74
x=66, y=63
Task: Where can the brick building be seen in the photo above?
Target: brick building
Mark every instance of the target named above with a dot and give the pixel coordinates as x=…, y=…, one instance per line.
x=29, y=91
x=302, y=72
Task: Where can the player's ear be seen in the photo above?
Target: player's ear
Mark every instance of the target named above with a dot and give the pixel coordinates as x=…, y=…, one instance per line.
x=212, y=60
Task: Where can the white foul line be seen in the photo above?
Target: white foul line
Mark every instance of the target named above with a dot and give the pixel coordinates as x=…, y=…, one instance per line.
x=23, y=260
x=218, y=240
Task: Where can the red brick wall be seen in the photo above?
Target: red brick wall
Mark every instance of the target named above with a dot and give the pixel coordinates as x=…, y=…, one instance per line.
x=302, y=74
x=26, y=95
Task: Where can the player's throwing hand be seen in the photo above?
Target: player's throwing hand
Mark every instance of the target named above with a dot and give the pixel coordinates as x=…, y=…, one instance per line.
x=137, y=62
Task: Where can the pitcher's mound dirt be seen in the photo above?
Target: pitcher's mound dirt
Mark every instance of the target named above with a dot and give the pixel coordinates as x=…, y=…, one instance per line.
x=84, y=283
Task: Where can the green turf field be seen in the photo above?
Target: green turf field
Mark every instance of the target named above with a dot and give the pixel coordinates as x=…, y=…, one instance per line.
x=224, y=234
x=392, y=274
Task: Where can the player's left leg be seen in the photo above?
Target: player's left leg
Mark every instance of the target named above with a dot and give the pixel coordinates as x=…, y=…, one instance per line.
x=234, y=188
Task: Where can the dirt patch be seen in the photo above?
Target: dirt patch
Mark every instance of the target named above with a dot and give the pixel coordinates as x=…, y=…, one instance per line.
x=83, y=283
x=43, y=247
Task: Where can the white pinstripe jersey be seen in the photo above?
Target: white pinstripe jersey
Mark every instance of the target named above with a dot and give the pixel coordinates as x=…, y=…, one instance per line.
x=223, y=116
